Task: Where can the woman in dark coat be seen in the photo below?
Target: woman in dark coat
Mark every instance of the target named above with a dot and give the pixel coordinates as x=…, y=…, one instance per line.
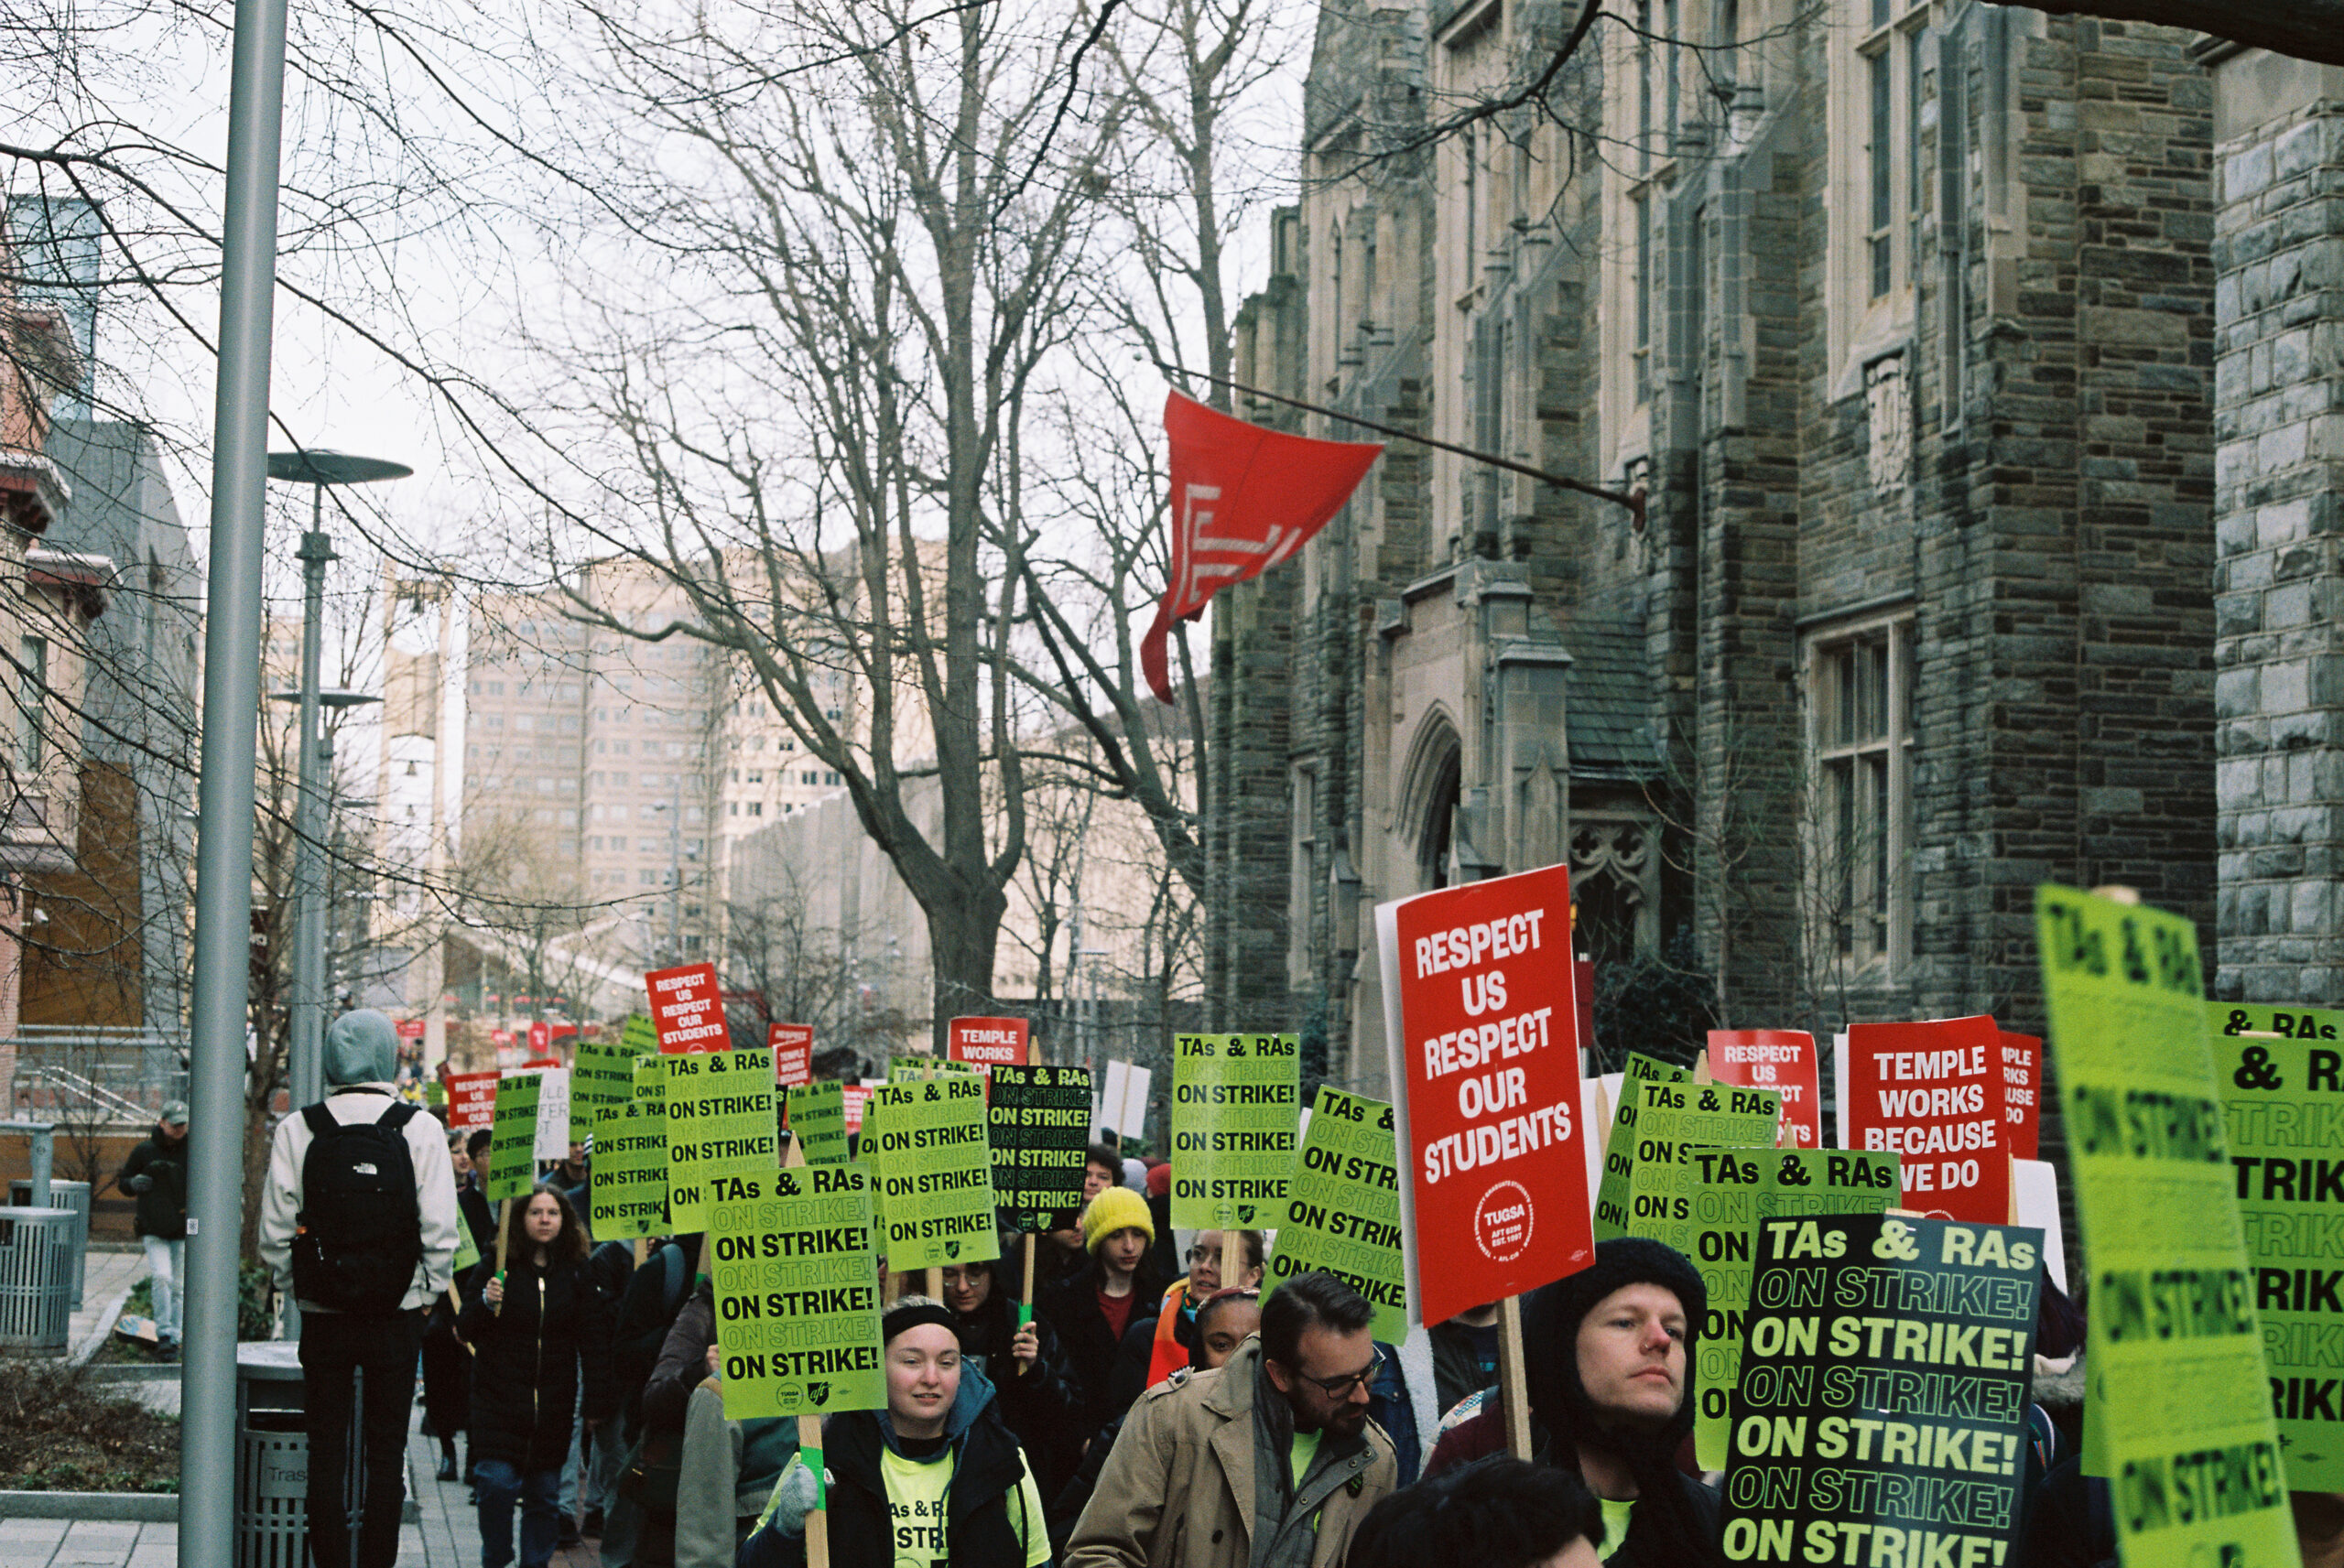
x=1039, y=1402
x=535, y=1328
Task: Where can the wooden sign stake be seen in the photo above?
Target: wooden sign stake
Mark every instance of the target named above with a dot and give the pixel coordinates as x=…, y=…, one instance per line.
x=1033, y=1237
x=810, y=1440
x=935, y=1272
x=1512, y=1386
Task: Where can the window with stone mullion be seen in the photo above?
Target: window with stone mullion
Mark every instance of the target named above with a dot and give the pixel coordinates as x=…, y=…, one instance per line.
x=1861, y=741
x=1889, y=58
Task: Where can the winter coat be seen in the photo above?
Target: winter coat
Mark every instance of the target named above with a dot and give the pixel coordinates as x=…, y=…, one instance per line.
x=1071, y=1309
x=162, y=1207
x=1483, y=1433
x=435, y=1187
x=1041, y=1407
x=683, y=1362
x=728, y=1469
x=1179, y=1490
x=986, y=1523
x=528, y=1357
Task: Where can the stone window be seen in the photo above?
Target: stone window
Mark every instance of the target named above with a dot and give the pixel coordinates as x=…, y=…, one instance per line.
x=1859, y=816
x=1881, y=84
x=1615, y=883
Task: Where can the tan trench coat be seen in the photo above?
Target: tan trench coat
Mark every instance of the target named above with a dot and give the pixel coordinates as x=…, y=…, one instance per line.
x=1178, y=1491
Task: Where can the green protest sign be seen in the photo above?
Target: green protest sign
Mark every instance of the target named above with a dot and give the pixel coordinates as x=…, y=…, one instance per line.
x=719, y=1108
x=466, y=1251
x=1698, y=1149
x=1040, y=1124
x=1342, y=1211
x=513, y=1138
x=1620, y=1150
x=912, y=1069
x=1880, y=1416
x=935, y=1172
x=817, y=1121
x=797, y=1294
x=651, y=1083
x=602, y=1076
x=2177, y=1411
x=629, y=1195
x=1733, y=1192
x=638, y=1036
x=1673, y=1120
x=1236, y=1102
x=2282, y=1108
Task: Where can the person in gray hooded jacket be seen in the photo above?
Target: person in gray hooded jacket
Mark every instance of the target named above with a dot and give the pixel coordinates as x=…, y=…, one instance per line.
x=361, y=1059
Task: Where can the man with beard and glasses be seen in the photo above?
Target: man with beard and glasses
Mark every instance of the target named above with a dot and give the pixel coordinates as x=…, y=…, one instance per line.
x=1269, y=1461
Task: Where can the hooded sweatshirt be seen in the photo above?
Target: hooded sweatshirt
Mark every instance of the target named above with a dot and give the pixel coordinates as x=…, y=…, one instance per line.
x=361, y=1059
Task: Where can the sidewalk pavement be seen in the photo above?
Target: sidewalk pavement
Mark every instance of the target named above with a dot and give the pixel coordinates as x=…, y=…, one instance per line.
x=106, y=1278
x=446, y=1537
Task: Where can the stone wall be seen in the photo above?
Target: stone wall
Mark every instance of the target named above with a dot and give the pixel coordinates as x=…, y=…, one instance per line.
x=2279, y=585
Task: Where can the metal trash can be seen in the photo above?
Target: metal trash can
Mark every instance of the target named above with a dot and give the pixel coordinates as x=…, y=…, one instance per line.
x=73, y=1195
x=36, y=1255
x=273, y=1457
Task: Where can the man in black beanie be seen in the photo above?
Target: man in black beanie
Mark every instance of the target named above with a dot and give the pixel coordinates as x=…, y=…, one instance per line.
x=1607, y=1357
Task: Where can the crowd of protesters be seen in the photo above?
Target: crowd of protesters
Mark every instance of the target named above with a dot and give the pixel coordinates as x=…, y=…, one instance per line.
x=1152, y=1409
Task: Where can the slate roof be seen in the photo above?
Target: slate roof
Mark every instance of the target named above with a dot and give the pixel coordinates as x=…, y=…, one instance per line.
x=1608, y=711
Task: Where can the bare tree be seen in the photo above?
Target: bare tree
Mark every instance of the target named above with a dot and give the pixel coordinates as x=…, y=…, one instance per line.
x=888, y=256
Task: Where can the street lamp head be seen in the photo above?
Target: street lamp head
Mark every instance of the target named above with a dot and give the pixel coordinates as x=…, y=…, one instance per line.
x=331, y=698
x=317, y=465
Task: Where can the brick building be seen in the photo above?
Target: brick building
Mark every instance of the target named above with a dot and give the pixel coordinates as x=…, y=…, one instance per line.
x=1904, y=315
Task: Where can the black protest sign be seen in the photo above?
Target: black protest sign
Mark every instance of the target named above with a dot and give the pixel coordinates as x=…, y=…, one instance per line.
x=1881, y=1417
x=1039, y=1124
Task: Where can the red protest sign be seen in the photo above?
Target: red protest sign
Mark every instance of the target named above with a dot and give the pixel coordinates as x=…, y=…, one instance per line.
x=471, y=1100
x=987, y=1041
x=793, y=1053
x=540, y=1037
x=684, y=1011
x=854, y=1096
x=1782, y=1060
x=411, y=1028
x=2022, y=1093
x=1482, y=1029
x=1932, y=1092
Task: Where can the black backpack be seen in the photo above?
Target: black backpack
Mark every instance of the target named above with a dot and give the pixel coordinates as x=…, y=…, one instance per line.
x=359, y=1236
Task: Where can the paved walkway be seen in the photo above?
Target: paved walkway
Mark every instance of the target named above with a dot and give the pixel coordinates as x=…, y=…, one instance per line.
x=106, y=1278
x=448, y=1535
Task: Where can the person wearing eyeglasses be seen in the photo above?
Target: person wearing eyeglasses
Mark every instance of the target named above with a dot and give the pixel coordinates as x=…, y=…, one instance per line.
x=1157, y=1345
x=1269, y=1461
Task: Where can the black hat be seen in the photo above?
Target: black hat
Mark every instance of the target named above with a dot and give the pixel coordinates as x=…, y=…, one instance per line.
x=1551, y=1321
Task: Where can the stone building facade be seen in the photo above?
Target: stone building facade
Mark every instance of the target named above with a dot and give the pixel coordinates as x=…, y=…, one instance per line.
x=2279, y=465
x=1905, y=316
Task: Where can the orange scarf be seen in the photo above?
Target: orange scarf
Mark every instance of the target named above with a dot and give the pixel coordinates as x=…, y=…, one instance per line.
x=1169, y=1355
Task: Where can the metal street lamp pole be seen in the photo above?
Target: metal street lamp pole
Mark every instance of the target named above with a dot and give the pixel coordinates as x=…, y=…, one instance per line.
x=316, y=468
x=223, y=863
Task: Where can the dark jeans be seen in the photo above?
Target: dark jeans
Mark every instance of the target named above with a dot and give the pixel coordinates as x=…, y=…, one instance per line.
x=538, y=1492
x=383, y=1349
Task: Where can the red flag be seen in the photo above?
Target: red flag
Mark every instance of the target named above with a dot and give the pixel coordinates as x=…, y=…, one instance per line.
x=1243, y=499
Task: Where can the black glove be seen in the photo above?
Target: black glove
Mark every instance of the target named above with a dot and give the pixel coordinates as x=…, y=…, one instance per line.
x=138, y=1183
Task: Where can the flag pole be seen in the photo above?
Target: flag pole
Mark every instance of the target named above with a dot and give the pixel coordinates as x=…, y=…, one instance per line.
x=1633, y=500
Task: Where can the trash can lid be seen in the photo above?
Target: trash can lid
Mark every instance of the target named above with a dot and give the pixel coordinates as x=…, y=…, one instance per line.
x=270, y=1360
